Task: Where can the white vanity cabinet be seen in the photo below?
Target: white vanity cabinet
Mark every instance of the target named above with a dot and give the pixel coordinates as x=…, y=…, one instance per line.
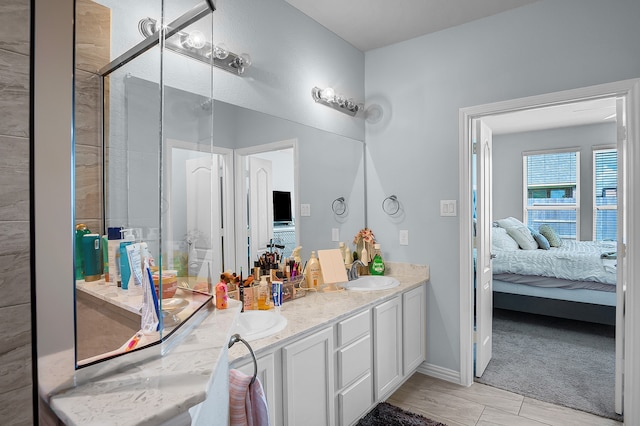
x=354, y=378
x=414, y=317
x=336, y=374
x=387, y=343
x=308, y=386
x=270, y=375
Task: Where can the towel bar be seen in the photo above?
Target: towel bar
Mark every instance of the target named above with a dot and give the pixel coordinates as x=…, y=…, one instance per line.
x=236, y=338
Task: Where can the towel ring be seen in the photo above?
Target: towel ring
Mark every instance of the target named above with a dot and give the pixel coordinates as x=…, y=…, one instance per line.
x=391, y=205
x=236, y=338
x=339, y=206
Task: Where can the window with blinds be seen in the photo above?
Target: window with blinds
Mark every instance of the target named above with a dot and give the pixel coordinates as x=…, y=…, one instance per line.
x=552, y=191
x=605, y=194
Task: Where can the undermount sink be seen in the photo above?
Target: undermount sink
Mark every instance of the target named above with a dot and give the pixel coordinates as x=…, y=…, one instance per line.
x=371, y=283
x=253, y=325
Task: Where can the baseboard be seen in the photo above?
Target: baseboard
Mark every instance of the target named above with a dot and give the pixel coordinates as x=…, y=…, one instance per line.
x=439, y=372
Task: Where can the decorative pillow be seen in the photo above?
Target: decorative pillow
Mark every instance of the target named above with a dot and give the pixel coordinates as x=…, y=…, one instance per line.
x=542, y=241
x=509, y=222
x=500, y=240
x=523, y=237
x=551, y=235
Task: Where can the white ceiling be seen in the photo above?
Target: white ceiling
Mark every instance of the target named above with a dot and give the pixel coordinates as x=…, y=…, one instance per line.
x=369, y=24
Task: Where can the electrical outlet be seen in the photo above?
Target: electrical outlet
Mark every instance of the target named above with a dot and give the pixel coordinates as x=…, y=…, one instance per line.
x=305, y=209
x=404, y=237
x=335, y=234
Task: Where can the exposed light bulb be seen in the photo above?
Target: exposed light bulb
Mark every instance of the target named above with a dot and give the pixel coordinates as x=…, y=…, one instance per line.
x=220, y=51
x=328, y=94
x=196, y=40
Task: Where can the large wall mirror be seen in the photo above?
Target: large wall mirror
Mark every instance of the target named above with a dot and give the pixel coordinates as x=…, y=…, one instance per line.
x=190, y=177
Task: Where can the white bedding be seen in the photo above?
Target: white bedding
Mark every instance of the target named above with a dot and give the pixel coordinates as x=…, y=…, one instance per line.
x=574, y=260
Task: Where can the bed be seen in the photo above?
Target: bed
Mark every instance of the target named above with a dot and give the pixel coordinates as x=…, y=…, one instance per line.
x=570, y=279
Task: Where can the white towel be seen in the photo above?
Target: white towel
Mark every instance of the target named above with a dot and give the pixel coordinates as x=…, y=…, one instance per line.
x=247, y=402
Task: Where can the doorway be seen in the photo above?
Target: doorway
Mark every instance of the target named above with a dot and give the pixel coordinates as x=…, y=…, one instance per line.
x=266, y=188
x=627, y=92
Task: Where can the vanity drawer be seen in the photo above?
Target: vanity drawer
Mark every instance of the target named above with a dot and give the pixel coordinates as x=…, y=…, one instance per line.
x=354, y=360
x=354, y=401
x=354, y=327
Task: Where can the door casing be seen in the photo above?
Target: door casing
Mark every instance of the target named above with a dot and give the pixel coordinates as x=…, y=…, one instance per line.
x=628, y=89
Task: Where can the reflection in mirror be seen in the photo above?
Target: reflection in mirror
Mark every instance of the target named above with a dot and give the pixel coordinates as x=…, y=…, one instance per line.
x=169, y=176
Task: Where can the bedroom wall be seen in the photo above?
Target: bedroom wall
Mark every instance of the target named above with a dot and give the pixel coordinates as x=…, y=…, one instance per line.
x=507, y=166
x=422, y=83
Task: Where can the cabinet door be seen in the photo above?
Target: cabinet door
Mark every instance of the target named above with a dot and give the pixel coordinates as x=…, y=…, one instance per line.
x=413, y=329
x=387, y=355
x=308, y=380
x=272, y=388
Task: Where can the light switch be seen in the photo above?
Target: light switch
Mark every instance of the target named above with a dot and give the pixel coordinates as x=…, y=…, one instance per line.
x=305, y=209
x=404, y=237
x=448, y=208
x=335, y=234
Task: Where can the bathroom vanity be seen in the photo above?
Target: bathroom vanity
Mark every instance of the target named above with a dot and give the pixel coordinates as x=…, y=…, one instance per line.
x=340, y=354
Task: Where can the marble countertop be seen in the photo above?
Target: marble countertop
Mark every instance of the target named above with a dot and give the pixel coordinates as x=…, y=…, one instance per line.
x=317, y=310
x=166, y=386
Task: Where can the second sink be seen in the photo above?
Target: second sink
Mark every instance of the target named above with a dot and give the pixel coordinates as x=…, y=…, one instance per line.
x=254, y=325
x=371, y=283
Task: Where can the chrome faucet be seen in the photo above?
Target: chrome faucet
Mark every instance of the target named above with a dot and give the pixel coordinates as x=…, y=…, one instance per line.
x=352, y=273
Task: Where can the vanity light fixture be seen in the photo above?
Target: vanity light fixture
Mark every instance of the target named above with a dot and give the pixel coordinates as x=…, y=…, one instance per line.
x=194, y=45
x=338, y=102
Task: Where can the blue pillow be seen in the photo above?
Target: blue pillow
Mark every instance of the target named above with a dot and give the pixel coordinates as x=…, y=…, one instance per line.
x=542, y=241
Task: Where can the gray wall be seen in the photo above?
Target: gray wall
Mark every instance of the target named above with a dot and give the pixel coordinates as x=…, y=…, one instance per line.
x=543, y=47
x=507, y=166
x=15, y=303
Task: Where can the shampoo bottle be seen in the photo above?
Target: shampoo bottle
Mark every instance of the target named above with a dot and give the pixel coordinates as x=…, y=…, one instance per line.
x=92, y=257
x=314, y=274
x=81, y=230
x=376, y=267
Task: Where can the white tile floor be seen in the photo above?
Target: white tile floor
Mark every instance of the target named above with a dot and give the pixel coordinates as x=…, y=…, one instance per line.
x=481, y=405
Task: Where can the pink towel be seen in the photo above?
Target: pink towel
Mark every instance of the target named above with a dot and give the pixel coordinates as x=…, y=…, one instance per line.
x=247, y=403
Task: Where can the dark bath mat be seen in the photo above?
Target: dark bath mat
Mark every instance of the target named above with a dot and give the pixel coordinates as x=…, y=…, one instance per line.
x=385, y=414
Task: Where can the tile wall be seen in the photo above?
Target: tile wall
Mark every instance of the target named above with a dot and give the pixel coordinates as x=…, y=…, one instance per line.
x=15, y=307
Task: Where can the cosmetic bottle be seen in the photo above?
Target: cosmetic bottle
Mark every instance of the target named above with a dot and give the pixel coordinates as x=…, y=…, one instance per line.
x=81, y=230
x=113, y=245
x=263, y=294
x=314, y=274
x=92, y=257
x=248, y=295
x=221, y=295
x=125, y=267
x=376, y=267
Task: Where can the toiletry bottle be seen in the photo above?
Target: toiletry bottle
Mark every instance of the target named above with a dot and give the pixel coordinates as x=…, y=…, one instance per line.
x=81, y=230
x=125, y=268
x=314, y=274
x=105, y=258
x=112, y=247
x=263, y=293
x=348, y=256
x=376, y=267
x=221, y=295
x=92, y=257
x=248, y=295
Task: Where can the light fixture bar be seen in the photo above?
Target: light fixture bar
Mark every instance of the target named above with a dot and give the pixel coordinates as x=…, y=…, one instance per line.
x=202, y=51
x=188, y=18
x=327, y=97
